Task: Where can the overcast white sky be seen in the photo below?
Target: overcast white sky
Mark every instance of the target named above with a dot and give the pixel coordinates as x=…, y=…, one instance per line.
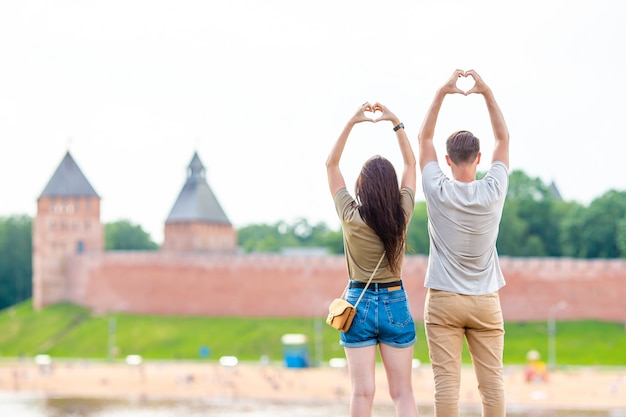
x=261, y=89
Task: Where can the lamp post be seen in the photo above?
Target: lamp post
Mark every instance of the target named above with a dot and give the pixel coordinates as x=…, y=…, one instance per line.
x=111, y=339
x=552, y=332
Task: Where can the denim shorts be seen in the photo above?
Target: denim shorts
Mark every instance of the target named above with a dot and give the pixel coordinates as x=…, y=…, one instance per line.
x=382, y=316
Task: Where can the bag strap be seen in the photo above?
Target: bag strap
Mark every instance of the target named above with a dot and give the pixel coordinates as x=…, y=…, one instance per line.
x=367, y=285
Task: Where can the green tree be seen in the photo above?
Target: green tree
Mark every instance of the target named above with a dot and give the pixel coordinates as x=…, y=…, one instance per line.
x=330, y=239
x=536, y=221
x=513, y=231
x=621, y=237
x=600, y=232
x=275, y=237
x=123, y=235
x=417, y=239
x=16, y=271
x=261, y=237
x=572, y=226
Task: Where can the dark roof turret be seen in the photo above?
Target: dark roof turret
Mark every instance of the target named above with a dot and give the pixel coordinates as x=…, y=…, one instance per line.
x=68, y=181
x=196, y=201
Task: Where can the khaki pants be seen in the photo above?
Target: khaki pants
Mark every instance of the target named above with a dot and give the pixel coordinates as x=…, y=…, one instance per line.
x=448, y=318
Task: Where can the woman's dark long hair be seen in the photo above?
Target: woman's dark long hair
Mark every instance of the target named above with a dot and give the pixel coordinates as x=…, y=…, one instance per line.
x=380, y=206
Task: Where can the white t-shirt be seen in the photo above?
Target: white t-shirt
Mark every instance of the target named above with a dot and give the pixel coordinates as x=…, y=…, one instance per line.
x=463, y=223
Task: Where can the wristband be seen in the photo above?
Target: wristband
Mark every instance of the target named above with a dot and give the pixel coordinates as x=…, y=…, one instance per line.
x=398, y=127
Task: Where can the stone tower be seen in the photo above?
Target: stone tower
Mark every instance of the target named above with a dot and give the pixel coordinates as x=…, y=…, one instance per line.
x=67, y=222
x=197, y=222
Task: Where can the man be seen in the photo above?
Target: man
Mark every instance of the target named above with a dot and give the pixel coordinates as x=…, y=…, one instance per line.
x=464, y=275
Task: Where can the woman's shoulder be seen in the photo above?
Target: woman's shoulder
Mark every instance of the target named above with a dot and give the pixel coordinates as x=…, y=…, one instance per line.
x=342, y=197
x=407, y=192
x=346, y=205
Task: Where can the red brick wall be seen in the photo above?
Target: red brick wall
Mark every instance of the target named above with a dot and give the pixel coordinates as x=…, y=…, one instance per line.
x=281, y=286
x=594, y=289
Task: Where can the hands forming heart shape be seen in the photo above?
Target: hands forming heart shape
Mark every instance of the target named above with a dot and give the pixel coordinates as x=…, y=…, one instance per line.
x=373, y=112
x=373, y=115
x=465, y=82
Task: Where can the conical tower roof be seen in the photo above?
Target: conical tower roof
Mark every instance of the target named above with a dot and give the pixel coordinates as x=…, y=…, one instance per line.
x=196, y=201
x=68, y=181
x=554, y=191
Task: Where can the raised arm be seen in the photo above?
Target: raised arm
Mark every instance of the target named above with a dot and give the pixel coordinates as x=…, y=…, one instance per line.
x=409, y=175
x=335, y=178
x=427, y=131
x=500, y=131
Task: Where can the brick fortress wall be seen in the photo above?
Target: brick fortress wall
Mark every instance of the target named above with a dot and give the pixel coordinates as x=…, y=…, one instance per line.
x=168, y=283
x=198, y=272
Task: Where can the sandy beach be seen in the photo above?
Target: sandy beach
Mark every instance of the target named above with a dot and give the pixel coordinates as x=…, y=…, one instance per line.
x=580, y=388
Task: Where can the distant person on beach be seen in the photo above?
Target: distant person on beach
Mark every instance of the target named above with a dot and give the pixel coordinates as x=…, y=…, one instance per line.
x=374, y=224
x=463, y=275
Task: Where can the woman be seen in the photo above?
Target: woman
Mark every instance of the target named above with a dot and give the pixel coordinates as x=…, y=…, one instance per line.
x=374, y=223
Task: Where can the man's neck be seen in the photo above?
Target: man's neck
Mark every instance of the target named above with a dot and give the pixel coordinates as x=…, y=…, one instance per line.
x=464, y=173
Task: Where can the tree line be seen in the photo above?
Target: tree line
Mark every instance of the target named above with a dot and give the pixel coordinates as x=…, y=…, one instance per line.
x=536, y=222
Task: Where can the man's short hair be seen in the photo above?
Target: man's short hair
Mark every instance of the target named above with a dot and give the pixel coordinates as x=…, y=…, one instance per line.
x=462, y=147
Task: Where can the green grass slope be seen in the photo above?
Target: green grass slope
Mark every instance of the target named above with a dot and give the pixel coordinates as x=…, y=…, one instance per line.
x=69, y=331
